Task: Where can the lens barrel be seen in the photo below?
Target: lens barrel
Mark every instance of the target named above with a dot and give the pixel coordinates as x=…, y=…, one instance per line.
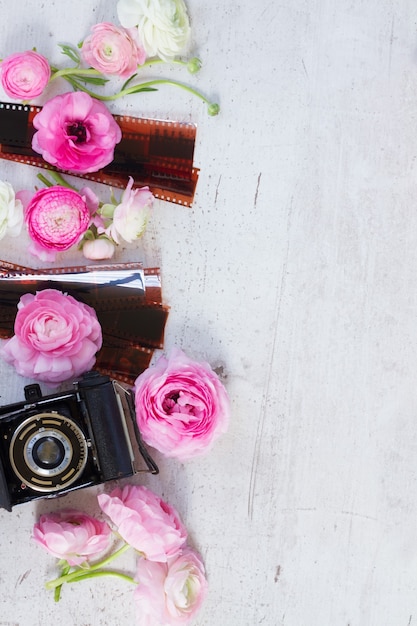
x=48, y=452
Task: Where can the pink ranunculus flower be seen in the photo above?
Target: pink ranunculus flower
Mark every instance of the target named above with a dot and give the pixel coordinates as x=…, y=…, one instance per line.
x=56, y=218
x=72, y=535
x=56, y=337
x=145, y=521
x=111, y=50
x=24, y=75
x=130, y=217
x=170, y=593
x=181, y=406
x=75, y=132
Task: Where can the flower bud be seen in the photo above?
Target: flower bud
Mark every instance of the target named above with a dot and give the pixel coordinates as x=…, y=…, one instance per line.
x=194, y=65
x=98, y=249
x=213, y=109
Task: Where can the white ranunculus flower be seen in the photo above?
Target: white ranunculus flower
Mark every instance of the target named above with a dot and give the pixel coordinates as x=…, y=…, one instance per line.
x=11, y=211
x=163, y=25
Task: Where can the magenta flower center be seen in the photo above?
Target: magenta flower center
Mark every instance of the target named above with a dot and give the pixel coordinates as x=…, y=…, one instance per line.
x=170, y=402
x=182, y=402
x=77, y=131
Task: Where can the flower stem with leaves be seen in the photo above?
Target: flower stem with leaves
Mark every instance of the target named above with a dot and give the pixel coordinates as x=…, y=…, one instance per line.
x=79, y=77
x=77, y=574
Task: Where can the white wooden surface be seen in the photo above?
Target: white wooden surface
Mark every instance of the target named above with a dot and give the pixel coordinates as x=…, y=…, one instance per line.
x=295, y=273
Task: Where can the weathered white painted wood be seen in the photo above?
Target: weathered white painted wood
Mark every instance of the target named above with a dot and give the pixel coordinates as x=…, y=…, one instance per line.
x=295, y=272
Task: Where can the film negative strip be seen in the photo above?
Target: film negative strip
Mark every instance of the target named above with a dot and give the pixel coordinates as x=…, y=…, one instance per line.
x=128, y=274
x=127, y=299
x=155, y=153
x=123, y=361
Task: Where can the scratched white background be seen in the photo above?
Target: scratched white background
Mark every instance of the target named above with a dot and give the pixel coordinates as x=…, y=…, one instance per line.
x=295, y=274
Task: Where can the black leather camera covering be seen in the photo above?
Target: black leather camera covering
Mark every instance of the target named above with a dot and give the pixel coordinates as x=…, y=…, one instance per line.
x=103, y=410
x=103, y=419
x=4, y=491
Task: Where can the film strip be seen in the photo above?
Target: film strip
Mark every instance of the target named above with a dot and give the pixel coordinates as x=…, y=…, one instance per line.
x=127, y=299
x=151, y=281
x=155, y=153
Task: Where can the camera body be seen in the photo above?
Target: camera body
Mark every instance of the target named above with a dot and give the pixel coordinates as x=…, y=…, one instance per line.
x=50, y=445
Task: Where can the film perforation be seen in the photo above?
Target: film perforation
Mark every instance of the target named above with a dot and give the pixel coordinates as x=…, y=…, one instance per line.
x=20, y=270
x=155, y=153
x=132, y=318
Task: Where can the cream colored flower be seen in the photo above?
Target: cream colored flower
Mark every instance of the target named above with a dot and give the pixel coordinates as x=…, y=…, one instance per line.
x=163, y=25
x=98, y=249
x=130, y=217
x=11, y=211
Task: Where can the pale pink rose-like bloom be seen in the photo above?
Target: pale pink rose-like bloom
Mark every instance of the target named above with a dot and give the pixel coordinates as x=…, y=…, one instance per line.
x=75, y=132
x=56, y=218
x=24, y=75
x=111, y=50
x=72, y=535
x=56, y=337
x=98, y=249
x=181, y=406
x=145, y=521
x=130, y=217
x=170, y=593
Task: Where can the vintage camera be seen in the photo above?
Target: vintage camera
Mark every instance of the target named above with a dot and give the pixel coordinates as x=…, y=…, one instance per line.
x=50, y=445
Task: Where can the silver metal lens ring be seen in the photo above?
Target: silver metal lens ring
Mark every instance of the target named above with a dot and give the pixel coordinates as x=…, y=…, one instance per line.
x=48, y=452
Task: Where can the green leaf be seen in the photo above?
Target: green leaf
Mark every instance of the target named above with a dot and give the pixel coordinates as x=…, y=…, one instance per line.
x=113, y=198
x=70, y=52
x=138, y=89
x=128, y=81
x=88, y=235
x=92, y=80
x=75, y=85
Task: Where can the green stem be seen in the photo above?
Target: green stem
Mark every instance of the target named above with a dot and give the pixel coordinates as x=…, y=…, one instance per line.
x=44, y=180
x=79, y=71
x=58, y=180
x=156, y=60
x=167, y=81
x=71, y=75
x=57, y=591
x=75, y=71
x=147, y=85
x=98, y=573
x=79, y=573
x=61, y=180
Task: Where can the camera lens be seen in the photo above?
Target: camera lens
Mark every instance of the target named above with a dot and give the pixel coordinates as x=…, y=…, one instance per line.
x=48, y=452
